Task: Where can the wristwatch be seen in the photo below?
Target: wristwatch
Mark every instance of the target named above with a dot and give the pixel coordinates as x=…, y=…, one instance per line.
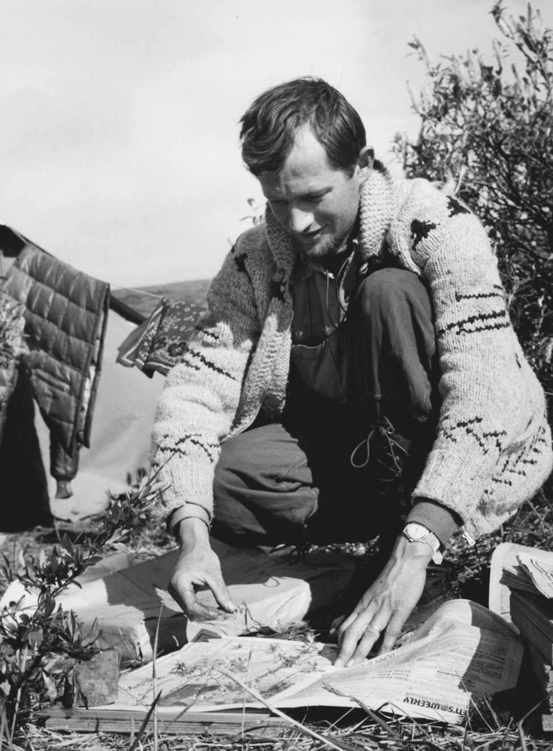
x=414, y=532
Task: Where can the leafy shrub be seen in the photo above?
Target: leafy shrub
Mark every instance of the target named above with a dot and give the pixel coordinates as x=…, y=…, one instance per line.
x=487, y=125
x=40, y=648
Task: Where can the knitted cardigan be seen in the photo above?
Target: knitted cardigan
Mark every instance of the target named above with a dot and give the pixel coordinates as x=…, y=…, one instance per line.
x=492, y=449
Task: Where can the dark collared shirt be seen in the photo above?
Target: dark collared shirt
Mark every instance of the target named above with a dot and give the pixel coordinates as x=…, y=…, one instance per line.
x=321, y=299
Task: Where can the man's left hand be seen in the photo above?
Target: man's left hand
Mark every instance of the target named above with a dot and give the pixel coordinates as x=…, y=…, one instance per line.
x=387, y=603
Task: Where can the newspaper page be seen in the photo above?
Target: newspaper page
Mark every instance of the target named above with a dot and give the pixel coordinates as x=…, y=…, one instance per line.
x=199, y=674
x=463, y=651
x=519, y=567
x=540, y=573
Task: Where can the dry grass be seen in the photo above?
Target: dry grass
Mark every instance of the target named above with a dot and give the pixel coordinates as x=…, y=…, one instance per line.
x=360, y=733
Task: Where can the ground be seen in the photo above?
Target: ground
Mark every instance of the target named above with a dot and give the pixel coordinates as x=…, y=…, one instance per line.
x=130, y=521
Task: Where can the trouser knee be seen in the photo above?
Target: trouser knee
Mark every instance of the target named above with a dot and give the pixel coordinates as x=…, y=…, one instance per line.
x=263, y=488
x=393, y=354
x=386, y=290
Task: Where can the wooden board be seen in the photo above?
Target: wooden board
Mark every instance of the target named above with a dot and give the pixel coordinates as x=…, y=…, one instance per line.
x=170, y=721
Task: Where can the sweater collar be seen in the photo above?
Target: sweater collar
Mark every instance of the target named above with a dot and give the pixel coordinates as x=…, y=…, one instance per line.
x=376, y=210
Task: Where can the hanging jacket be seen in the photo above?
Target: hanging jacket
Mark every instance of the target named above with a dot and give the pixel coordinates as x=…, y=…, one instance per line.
x=65, y=321
x=12, y=323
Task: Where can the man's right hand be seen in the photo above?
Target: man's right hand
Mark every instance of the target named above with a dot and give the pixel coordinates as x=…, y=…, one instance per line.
x=198, y=566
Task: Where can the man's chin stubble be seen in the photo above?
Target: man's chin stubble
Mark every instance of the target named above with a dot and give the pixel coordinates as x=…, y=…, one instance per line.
x=328, y=248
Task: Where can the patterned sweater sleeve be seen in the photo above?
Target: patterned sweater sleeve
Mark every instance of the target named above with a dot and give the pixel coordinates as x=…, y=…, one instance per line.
x=484, y=399
x=201, y=394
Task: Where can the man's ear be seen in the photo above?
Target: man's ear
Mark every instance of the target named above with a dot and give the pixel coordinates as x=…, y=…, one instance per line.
x=365, y=159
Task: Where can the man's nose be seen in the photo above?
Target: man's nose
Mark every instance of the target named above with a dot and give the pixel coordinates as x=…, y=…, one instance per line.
x=299, y=220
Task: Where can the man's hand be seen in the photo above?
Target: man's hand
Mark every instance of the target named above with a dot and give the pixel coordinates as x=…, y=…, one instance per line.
x=198, y=567
x=387, y=603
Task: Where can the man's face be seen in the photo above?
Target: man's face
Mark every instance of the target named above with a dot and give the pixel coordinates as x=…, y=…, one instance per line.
x=315, y=203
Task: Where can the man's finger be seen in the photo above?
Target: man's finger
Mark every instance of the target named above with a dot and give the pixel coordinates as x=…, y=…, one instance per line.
x=336, y=623
x=366, y=643
x=346, y=622
x=188, y=598
x=397, y=621
x=362, y=606
x=197, y=611
x=221, y=593
x=185, y=595
x=352, y=635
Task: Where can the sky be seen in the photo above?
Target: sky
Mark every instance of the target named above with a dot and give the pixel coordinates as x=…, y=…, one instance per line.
x=119, y=146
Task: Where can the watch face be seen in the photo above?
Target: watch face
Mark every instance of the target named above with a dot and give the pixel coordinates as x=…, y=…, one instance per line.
x=415, y=531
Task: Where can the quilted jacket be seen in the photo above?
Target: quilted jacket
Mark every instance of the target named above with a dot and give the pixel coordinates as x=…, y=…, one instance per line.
x=65, y=314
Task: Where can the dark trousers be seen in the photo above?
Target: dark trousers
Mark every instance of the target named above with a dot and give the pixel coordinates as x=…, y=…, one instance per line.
x=24, y=488
x=334, y=471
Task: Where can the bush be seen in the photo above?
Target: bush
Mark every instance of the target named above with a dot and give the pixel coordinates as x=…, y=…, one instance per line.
x=487, y=125
x=40, y=649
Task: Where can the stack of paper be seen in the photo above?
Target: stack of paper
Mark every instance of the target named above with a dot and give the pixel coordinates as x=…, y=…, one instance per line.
x=460, y=653
x=521, y=590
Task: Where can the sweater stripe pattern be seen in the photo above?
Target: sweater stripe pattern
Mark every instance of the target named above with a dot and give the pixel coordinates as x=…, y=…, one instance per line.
x=492, y=450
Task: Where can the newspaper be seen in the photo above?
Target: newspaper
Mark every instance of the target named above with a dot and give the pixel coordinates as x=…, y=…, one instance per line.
x=518, y=567
x=123, y=600
x=539, y=572
x=460, y=653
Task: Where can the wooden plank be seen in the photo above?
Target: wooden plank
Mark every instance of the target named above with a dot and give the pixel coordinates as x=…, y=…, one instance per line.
x=166, y=712
x=171, y=720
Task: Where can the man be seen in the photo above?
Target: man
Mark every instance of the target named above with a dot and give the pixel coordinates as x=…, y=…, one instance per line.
x=356, y=374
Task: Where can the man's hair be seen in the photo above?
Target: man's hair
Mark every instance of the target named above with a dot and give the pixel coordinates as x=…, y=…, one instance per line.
x=269, y=125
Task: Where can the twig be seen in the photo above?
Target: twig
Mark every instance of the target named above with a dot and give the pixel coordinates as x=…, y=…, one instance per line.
x=522, y=738
x=154, y=676
x=302, y=728
x=349, y=710
x=521, y=722
x=414, y=724
x=18, y=695
x=478, y=710
x=145, y=723
x=372, y=714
